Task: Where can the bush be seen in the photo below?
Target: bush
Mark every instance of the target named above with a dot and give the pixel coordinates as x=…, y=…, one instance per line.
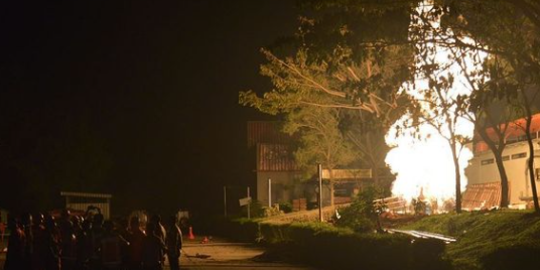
x=286, y=207
x=257, y=210
x=362, y=216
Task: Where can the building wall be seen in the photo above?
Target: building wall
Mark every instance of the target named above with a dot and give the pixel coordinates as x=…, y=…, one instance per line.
x=483, y=169
x=283, y=186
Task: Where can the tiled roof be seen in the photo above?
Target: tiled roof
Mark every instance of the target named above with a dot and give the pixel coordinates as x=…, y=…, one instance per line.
x=266, y=132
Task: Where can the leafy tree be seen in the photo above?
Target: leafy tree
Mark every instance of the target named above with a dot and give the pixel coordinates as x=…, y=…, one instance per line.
x=321, y=140
x=367, y=135
x=510, y=31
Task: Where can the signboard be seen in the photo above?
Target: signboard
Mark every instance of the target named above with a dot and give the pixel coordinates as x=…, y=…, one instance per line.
x=347, y=174
x=245, y=201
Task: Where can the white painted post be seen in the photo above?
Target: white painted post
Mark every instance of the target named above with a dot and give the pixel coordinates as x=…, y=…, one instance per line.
x=269, y=192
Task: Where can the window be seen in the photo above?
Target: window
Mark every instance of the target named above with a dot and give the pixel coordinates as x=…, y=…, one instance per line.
x=487, y=161
x=520, y=155
x=505, y=158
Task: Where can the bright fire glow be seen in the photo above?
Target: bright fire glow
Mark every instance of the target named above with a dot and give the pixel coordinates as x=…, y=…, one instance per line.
x=426, y=164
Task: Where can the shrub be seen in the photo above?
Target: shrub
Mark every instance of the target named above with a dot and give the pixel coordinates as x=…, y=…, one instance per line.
x=362, y=216
x=286, y=207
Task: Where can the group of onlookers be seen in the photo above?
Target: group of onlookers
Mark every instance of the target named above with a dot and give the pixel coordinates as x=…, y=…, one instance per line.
x=41, y=242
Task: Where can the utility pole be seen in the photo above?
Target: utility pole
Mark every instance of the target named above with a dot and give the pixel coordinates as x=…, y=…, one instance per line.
x=269, y=192
x=225, y=200
x=319, y=172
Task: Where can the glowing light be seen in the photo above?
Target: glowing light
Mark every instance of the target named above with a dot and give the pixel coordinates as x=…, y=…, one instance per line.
x=425, y=164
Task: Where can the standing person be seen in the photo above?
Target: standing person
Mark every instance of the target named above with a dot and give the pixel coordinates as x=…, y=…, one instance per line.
x=15, y=257
x=96, y=235
x=69, y=245
x=52, y=244
x=112, y=245
x=84, y=245
x=153, y=249
x=40, y=243
x=174, y=243
x=27, y=227
x=135, y=238
x=160, y=229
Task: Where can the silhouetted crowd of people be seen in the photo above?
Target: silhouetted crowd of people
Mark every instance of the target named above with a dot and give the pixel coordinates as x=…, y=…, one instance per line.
x=41, y=242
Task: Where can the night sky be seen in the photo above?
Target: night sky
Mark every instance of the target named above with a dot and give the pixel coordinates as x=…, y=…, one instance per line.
x=133, y=98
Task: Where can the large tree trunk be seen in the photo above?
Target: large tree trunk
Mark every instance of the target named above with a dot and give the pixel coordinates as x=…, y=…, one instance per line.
x=505, y=198
x=457, y=175
x=530, y=162
x=498, y=152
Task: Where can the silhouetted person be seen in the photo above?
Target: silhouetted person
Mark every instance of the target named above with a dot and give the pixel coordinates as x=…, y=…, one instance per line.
x=84, y=245
x=160, y=230
x=96, y=235
x=69, y=246
x=135, y=238
x=153, y=249
x=174, y=243
x=27, y=227
x=112, y=246
x=52, y=240
x=40, y=243
x=15, y=257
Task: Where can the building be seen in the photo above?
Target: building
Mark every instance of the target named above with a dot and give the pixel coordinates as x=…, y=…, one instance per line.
x=81, y=201
x=276, y=172
x=484, y=189
x=279, y=178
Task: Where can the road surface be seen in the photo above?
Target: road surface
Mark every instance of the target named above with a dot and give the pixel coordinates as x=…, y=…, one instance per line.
x=223, y=255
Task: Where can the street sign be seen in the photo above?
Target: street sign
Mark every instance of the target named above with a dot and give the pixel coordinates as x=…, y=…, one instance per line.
x=245, y=201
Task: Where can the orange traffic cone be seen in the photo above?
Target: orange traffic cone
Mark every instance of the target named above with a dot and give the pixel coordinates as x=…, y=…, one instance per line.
x=191, y=236
x=205, y=240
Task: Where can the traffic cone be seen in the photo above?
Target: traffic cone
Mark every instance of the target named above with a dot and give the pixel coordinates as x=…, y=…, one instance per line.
x=191, y=236
x=205, y=240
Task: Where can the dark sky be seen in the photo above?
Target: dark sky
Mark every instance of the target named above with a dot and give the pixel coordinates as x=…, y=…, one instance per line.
x=131, y=97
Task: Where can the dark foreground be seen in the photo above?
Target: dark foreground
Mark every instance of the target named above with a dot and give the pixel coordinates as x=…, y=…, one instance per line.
x=221, y=254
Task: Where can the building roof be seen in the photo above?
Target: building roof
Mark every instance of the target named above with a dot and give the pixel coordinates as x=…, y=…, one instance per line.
x=268, y=132
x=275, y=158
x=482, y=196
x=514, y=133
x=85, y=195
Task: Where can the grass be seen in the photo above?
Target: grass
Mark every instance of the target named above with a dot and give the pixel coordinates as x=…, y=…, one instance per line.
x=481, y=233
